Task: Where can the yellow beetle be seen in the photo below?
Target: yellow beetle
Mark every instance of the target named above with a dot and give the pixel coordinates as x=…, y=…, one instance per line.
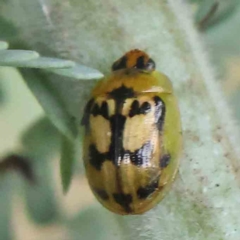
x=132, y=137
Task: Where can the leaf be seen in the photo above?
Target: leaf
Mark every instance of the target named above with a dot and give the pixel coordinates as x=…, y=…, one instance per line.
x=48, y=97
x=2, y=93
x=105, y=225
x=8, y=57
x=205, y=12
x=79, y=72
x=69, y=156
x=213, y=12
x=41, y=203
x=5, y=207
x=43, y=62
x=30, y=59
x=47, y=93
x=40, y=144
x=41, y=139
x=208, y=184
x=222, y=40
x=3, y=45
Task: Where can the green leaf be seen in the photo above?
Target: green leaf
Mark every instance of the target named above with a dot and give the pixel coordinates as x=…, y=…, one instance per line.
x=51, y=101
x=40, y=199
x=203, y=201
x=105, y=225
x=5, y=207
x=213, y=12
x=43, y=62
x=79, y=72
x=41, y=139
x=3, y=45
x=205, y=12
x=2, y=93
x=223, y=41
x=8, y=57
x=69, y=156
x=40, y=144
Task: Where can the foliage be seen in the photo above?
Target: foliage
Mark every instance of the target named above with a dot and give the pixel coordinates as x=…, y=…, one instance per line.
x=94, y=34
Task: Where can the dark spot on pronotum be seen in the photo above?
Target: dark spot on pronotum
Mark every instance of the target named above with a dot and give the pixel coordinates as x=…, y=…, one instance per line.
x=164, y=161
x=95, y=157
x=102, y=194
x=140, y=63
x=145, y=108
x=86, y=115
x=20, y=164
x=159, y=112
x=104, y=110
x=217, y=185
x=134, y=108
x=120, y=64
x=124, y=200
x=144, y=192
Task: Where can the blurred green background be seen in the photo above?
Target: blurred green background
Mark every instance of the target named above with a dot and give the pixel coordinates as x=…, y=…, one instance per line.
x=38, y=209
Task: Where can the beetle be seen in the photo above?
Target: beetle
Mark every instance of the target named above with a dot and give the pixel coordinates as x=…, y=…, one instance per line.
x=132, y=140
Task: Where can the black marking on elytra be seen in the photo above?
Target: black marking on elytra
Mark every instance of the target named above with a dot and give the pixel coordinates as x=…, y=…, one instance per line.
x=134, y=108
x=160, y=112
x=145, y=108
x=142, y=155
x=96, y=158
x=140, y=63
x=137, y=109
x=164, y=161
x=104, y=110
x=124, y=200
x=151, y=65
x=100, y=110
x=101, y=193
x=87, y=110
x=120, y=64
x=121, y=94
x=116, y=151
x=144, y=192
x=117, y=122
x=95, y=110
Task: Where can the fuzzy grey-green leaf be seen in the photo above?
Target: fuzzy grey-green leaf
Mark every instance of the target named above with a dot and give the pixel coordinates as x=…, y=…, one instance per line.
x=41, y=138
x=214, y=12
x=3, y=45
x=79, y=72
x=203, y=201
x=14, y=57
x=45, y=62
x=49, y=98
x=69, y=155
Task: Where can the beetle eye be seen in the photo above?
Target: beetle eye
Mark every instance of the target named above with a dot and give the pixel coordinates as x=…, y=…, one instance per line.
x=150, y=66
